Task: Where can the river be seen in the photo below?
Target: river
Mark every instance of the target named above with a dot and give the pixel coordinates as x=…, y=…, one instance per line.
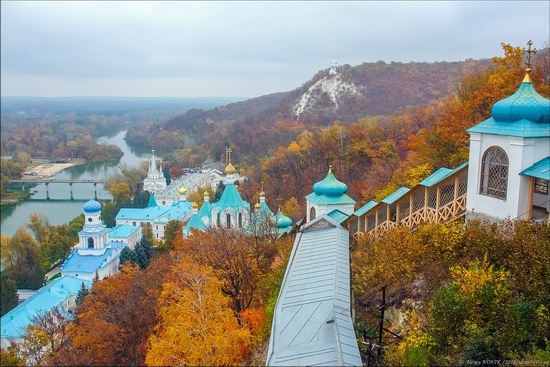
x=59, y=208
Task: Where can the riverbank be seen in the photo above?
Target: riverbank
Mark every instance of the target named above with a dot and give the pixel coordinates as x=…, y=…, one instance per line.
x=46, y=170
x=39, y=169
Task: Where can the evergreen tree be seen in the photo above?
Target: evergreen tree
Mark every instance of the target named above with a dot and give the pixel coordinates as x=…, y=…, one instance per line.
x=127, y=255
x=142, y=253
x=82, y=293
x=8, y=295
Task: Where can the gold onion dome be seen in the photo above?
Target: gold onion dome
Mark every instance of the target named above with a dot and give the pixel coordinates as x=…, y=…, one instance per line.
x=230, y=169
x=262, y=193
x=206, y=193
x=195, y=205
x=182, y=190
x=257, y=206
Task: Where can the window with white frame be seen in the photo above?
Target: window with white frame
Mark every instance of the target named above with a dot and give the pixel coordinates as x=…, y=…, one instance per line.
x=494, y=173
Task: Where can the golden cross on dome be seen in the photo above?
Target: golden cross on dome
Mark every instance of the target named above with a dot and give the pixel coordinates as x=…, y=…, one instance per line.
x=529, y=52
x=229, y=154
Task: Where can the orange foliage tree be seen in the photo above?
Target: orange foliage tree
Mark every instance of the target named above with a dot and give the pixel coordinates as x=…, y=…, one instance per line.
x=115, y=320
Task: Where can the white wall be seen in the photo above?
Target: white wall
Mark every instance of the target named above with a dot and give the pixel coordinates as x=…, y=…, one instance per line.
x=522, y=153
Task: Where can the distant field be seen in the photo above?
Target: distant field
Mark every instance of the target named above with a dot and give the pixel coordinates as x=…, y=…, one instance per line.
x=84, y=106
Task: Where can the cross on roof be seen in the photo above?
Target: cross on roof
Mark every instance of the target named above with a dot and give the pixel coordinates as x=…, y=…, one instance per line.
x=529, y=52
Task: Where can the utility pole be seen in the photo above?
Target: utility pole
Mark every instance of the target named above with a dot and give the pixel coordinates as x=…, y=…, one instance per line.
x=382, y=309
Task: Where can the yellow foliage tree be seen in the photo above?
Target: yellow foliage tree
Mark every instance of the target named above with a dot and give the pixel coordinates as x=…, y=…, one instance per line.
x=197, y=325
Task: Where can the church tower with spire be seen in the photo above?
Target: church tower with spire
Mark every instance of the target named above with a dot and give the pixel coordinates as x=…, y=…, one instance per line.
x=155, y=182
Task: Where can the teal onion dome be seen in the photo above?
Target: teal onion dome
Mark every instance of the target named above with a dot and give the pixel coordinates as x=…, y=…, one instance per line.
x=330, y=186
x=92, y=206
x=525, y=103
x=282, y=220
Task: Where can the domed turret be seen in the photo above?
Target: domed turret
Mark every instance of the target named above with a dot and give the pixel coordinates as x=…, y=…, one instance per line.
x=195, y=205
x=526, y=104
x=330, y=186
x=282, y=220
x=229, y=169
x=92, y=206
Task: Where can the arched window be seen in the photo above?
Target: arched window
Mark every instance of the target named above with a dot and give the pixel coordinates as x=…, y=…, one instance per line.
x=218, y=221
x=494, y=173
x=90, y=242
x=228, y=220
x=312, y=214
x=240, y=220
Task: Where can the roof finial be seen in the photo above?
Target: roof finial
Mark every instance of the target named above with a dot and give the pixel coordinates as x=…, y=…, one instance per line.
x=330, y=168
x=527, y=78
x=529, y=52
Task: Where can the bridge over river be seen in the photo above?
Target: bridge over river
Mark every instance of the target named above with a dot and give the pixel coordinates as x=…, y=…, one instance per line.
x=48, y=182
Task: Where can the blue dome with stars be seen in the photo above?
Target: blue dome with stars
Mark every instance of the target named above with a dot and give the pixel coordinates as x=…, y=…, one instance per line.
x=92, y=206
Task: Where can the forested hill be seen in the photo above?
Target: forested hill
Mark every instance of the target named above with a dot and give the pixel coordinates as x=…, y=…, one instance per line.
x=349, y=94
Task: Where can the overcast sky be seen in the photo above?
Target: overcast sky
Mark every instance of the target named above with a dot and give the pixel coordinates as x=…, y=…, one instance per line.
x=240, y=49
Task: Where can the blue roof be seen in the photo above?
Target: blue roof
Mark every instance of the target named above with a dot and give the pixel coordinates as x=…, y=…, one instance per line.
x=324, y=199
x=312, y=318
x=338, y=216
x=390, y=199
x=205, y=209
x=440, y=175
x=365, y=208
x=177, y=211
x=522, y=128
x=152, y=201
x=14, y=323
x=123, y=231
x=264, y=209
x=194, y=222
x=101, y=231
x=231, y=199
x=88, y=264
x=541, y=169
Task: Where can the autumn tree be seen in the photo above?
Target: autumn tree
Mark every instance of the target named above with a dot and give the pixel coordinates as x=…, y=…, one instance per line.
x=38, y=224
x=9, y=298
x=171, y=232
x=45, y=336
x=21, y=261
x=197, y=325
x=9, y=357
x=110, y=327
x=234, y=257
